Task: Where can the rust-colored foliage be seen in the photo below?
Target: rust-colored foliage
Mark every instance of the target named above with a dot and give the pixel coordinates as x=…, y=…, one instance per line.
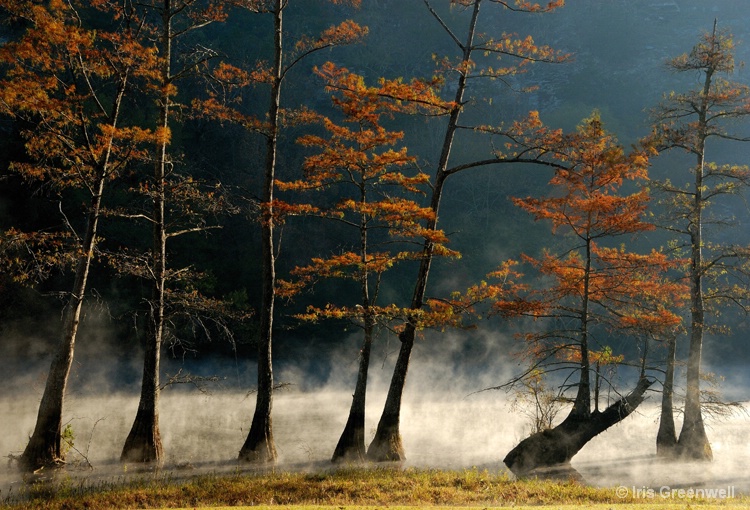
x=379, y=184
x=62, y=82
x=65, y=82
x=588, y=204
x=31, y=256
x=514, y=53
x=53, y=81
x=598, y=291
x=592, y=168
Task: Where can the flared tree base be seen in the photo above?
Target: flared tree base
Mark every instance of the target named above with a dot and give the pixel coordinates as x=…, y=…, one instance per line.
x=557, y=446
x=262, y=454
x=694, y=444
x=42, y=452
x=143, y=444
x=666, y=439
x=386, y=446
x=351, y=445
x=258, y=449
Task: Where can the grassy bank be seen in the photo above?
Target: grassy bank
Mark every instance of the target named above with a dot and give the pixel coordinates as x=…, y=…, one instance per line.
x=342, y=488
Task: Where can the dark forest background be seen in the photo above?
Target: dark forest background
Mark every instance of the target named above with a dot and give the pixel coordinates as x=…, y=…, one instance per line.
x=619, y=49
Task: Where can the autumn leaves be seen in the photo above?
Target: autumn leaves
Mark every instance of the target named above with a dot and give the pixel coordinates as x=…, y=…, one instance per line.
x=70, y=90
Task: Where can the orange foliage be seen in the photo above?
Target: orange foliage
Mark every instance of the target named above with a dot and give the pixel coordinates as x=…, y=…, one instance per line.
x=601, y=357
x=591, y=167
x=228, y=81
x=522, y=51
x=380, y=183
x=614, y=288
x=360, y=101
x=280, y=210
x=359, y=153
x=58, y=80
x=218, y=110
x=347, y=32
x=213, y=12
x=31, y=257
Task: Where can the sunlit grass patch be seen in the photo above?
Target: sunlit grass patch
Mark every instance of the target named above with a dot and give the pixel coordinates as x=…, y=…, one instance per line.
x=342, y=488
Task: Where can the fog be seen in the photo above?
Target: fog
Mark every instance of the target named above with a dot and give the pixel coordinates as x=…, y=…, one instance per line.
x=620, y=49
x=204, y=433
x=445, y=424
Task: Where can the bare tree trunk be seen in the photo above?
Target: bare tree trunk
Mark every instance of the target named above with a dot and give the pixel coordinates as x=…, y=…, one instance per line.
x=351, y=445
x=666, y=438
x=143, y=443
x=693, y=442
x=259, y=445
x=582, y=403
x=44, y=447
x=387, y=445
x=557, y=446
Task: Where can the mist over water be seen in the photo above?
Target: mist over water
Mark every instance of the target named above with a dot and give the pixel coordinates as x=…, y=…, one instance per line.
x=620, y=49
x=443, y=424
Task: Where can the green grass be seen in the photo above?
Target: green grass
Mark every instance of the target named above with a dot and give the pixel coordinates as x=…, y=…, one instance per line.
x=344, y=488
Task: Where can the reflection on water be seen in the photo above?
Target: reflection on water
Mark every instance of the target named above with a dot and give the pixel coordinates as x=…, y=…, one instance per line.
x=203, y=434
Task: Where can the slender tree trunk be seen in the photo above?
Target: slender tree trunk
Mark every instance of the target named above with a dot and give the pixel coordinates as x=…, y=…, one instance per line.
x=387, y=444
x=351, y=445
x=557, y=446
x=597, y=386
x=666, y=438
x=259, y=445
x=44, y=446
x=582, y=403
x=143, y=443
x=693, y=442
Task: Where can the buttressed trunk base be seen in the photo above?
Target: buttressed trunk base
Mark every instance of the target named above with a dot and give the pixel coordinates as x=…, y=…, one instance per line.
x=259, y=447
x=43, y=449
x=258, y=450
x=693, y=443
x=143, y=444
x=351, y=445
x=557, y=446
x=387, y=445
x=666, y=440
